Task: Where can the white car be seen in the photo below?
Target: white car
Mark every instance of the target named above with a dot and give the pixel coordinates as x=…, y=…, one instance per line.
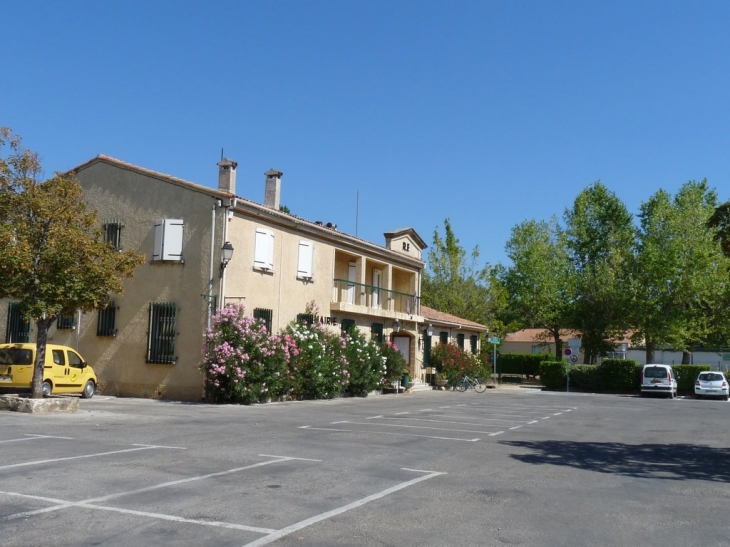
x=712, y=384
x=659, y=379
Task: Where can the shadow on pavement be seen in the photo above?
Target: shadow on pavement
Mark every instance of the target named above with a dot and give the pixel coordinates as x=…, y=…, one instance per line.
x=651, y=461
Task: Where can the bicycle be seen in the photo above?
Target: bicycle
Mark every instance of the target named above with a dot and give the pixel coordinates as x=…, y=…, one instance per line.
x=472, y=383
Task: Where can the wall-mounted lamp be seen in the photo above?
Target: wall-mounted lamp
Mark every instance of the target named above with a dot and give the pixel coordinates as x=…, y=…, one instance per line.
x=226, y=255
x=429, y=330
x=397, y=325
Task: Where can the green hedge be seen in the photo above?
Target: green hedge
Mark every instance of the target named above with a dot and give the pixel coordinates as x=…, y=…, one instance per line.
x=586, y=377
x=552, y=374
x=521, y=363
x=688, y=375
x=619, y=374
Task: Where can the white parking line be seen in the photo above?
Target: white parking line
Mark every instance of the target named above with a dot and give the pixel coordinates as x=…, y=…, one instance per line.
x=515, y=427
x=323, y=516
x=373, y=417
x=418, y=427
x=31, y=437
x=495, y=434
x=97, y=454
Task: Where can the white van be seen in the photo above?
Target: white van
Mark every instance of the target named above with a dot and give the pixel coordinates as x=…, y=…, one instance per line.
x=658, y=379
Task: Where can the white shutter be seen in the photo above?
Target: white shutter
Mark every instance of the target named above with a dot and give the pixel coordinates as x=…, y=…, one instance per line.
x=168, y=240
x=172, y=247
x=306, y=256
x=264, y=249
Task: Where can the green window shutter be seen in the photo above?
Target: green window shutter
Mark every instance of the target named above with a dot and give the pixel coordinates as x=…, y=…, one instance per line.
x=161, y=335
x=265, y=315
x=376, y=332
x=65, y=321
x=307, y=318
x=105, y=324
x=460, y=340
x=473, y=343
x=16, y=330
x=347, y=324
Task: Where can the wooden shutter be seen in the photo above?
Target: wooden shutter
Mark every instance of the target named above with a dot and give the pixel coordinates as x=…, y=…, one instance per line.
x=264, y=249
x=306, y=258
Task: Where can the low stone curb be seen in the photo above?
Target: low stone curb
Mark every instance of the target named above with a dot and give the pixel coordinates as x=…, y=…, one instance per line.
x=19, y=403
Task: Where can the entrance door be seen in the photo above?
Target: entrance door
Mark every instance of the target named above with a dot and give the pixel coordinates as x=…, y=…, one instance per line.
x=377, y=275
x=404, y=346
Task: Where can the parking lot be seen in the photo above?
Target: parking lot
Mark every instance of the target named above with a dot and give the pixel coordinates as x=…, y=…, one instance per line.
x=510, y=466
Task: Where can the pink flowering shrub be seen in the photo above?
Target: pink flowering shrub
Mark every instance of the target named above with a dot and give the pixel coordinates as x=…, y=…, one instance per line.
x=394, y=364
x=242, y=362
x=365, y=364
x=452, y=362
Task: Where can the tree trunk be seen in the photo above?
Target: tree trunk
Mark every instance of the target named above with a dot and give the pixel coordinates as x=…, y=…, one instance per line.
x=686, y=357
x=558, y=345
x=40, y=357
x=649, y=352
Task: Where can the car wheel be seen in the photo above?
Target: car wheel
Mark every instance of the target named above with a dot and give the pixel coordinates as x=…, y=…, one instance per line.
x=727, y=396
x=89, y=390
x=47, y=389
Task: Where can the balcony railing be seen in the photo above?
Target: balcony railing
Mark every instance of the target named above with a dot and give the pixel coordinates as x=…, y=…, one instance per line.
x=377, y=298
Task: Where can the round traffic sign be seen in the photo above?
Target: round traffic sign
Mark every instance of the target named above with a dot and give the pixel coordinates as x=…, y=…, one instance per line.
x=567, y=352
x=573, y=358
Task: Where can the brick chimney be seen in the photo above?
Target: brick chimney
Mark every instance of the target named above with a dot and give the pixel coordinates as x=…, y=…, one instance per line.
x=227, y=176
x=272, y=195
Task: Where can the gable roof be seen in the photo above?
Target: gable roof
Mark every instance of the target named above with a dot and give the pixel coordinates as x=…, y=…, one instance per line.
x=446, y=319
x=541, y=336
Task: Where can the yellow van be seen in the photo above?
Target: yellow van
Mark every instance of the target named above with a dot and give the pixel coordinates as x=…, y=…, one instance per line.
x=65, y=371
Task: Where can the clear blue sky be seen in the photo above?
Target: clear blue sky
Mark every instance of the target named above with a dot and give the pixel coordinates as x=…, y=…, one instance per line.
x=487, y=113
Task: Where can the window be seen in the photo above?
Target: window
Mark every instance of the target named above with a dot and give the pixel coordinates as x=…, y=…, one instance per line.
x=16, y=330
x=460, y=340
x=168, y=240
x=427, y=350
x=58, y=357
x=161, y=334
x=537, y=349
x=443, y=337
x=473, y=343
x=74, y=359
x=105, y=323
x=376, y=332
x=263, y=258
x=305, y=264
x=265, y=315
x=113, y=234
x=307, y=318
x=347, y=324
x=65, y=321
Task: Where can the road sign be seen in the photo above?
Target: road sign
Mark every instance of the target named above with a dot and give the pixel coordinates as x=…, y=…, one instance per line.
x=494, y=340
x=573, y=359
x=574, y=343
x=567, y=352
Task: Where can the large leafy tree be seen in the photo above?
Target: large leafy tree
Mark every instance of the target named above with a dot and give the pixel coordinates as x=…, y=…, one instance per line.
x=453, y=282
x=53, y=257
x=681, y=273
x=539, y=281
x=600, y=237
x=719, y=222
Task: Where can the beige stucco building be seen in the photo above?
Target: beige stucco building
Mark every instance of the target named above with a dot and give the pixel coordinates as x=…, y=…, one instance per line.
x=148, y=343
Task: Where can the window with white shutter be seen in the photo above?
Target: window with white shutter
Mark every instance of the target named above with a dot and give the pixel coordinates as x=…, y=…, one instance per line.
x=264, y=250
x=168, y=240
x=305, y=264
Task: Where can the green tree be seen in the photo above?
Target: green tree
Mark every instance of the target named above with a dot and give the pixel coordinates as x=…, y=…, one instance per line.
x=600, y=237
x=53, y=258
x=719, y=222
x=681, y=273
x=453, y=282
x=539, y=282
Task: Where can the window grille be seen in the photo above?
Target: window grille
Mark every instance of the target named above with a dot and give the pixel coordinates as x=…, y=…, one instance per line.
x=161, y=334
x=17, y=330
x=307, y=318
x=113, y=234
x=65, y=321
x=106, y=321
x=347, y=324
x=376, y=332
x=265, y=315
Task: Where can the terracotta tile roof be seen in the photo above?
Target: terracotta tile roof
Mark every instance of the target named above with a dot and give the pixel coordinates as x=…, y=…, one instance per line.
x=436, y=316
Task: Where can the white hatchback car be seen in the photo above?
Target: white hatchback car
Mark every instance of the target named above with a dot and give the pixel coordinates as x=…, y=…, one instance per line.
x=712, y=384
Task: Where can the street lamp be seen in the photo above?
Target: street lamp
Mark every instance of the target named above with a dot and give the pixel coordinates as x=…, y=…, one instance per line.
x=226, y=255
x=429, y=330
x=397, y=326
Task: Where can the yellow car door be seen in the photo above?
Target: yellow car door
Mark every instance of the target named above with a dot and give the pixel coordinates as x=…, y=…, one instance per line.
x=59, y=369
x=77, y=374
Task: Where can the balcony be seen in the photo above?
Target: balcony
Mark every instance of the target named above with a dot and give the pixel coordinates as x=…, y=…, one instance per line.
x=359, y=298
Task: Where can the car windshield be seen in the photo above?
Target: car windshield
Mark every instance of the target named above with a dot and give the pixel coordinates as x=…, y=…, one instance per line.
x=711, y=377
x=655, y=372
x=16, y=356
